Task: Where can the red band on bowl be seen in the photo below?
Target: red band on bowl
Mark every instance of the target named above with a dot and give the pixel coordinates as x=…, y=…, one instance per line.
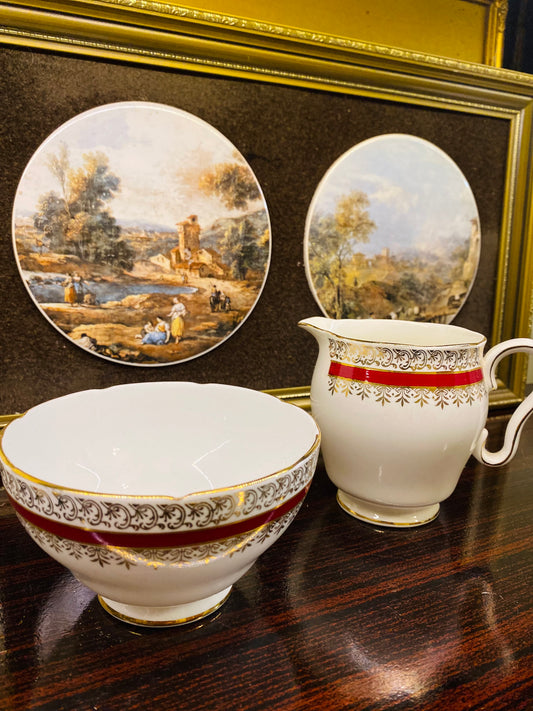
x=167, y=539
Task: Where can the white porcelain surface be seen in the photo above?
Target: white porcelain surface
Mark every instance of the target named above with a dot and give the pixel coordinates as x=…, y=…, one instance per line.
x=159, y=496
x=212, y=435
x=401, y=407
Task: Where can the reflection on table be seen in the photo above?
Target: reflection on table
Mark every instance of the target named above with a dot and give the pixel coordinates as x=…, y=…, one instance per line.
x=338, y=614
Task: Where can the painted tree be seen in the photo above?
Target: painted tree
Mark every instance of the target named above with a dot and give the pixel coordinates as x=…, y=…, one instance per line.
x=51, y=220
x=332, y=243
x=59, y=165
x=242, y=250
x=232, y=183
x=52, y=216
x=78, y=220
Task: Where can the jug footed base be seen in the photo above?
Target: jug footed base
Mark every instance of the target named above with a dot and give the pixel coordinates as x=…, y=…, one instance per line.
x=165, y=616
x=383, y=515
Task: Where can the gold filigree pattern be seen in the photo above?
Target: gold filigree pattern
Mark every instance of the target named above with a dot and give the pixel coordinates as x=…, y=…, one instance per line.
x=289, y=33
x=209, y=511
x=404, y=358
x=104, y=555
x=406, y=395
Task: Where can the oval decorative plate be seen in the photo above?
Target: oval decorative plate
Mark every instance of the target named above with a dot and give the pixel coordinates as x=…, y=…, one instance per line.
x=392, y=232
x=141, y=233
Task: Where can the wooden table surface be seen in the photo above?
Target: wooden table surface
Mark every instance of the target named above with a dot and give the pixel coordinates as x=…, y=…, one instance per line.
x=338, y=614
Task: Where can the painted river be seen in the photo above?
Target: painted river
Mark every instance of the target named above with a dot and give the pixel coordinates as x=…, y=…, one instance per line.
x=47, y=288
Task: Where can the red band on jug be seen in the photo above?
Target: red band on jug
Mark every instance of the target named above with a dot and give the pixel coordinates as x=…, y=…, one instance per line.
x=398, y=379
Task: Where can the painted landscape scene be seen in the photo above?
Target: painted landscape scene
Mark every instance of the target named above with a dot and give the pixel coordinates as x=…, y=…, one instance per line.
x=393, y=232
x=141, y=234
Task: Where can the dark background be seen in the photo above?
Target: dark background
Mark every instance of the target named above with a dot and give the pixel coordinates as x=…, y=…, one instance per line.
x=290, y=136
x=518, y=46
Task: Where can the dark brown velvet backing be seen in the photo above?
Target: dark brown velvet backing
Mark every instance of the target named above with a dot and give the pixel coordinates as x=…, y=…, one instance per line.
x=290, y=137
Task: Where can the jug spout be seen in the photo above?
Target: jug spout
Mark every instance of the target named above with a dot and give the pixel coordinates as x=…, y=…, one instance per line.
x=319, y=326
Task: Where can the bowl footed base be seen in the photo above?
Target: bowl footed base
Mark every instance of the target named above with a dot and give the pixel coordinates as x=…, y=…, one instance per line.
x=383, y=515
x=165, y=616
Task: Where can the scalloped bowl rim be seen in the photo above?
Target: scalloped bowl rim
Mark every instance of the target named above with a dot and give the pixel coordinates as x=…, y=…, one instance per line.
x=35, y=445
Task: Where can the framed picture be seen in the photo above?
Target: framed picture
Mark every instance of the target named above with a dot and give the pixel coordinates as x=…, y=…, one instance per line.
x=291, y=103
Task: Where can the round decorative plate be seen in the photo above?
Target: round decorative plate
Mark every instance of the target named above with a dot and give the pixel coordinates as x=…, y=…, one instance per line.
x=141, y=233
x=392, y=232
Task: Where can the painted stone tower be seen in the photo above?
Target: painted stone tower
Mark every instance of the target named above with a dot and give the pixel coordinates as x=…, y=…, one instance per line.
x=188, y=241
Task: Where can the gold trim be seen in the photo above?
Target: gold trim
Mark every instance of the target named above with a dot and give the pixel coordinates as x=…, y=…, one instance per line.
x=6, y=419
x=169, y=17
x=495, y=36
x=161, y=623
x=170, y=35
x=382, y=522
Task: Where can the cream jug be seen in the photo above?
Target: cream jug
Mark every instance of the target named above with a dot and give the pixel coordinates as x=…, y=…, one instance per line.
x=401, y=406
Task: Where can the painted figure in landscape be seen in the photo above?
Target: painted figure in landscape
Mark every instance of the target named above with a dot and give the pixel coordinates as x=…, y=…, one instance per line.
x=177, y=315
x=122, y=221
x=393, y=232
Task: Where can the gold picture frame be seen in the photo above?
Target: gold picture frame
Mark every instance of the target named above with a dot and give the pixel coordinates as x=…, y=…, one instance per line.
x=437, y=94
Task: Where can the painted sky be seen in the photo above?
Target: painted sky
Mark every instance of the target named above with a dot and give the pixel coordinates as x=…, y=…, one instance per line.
x=419, y=198
x=158, y=153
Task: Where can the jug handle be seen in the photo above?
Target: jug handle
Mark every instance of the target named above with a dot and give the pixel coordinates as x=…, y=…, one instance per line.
x=519, y=416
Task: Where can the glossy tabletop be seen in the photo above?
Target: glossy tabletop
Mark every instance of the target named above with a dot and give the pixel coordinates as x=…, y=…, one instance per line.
x=338, y=614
